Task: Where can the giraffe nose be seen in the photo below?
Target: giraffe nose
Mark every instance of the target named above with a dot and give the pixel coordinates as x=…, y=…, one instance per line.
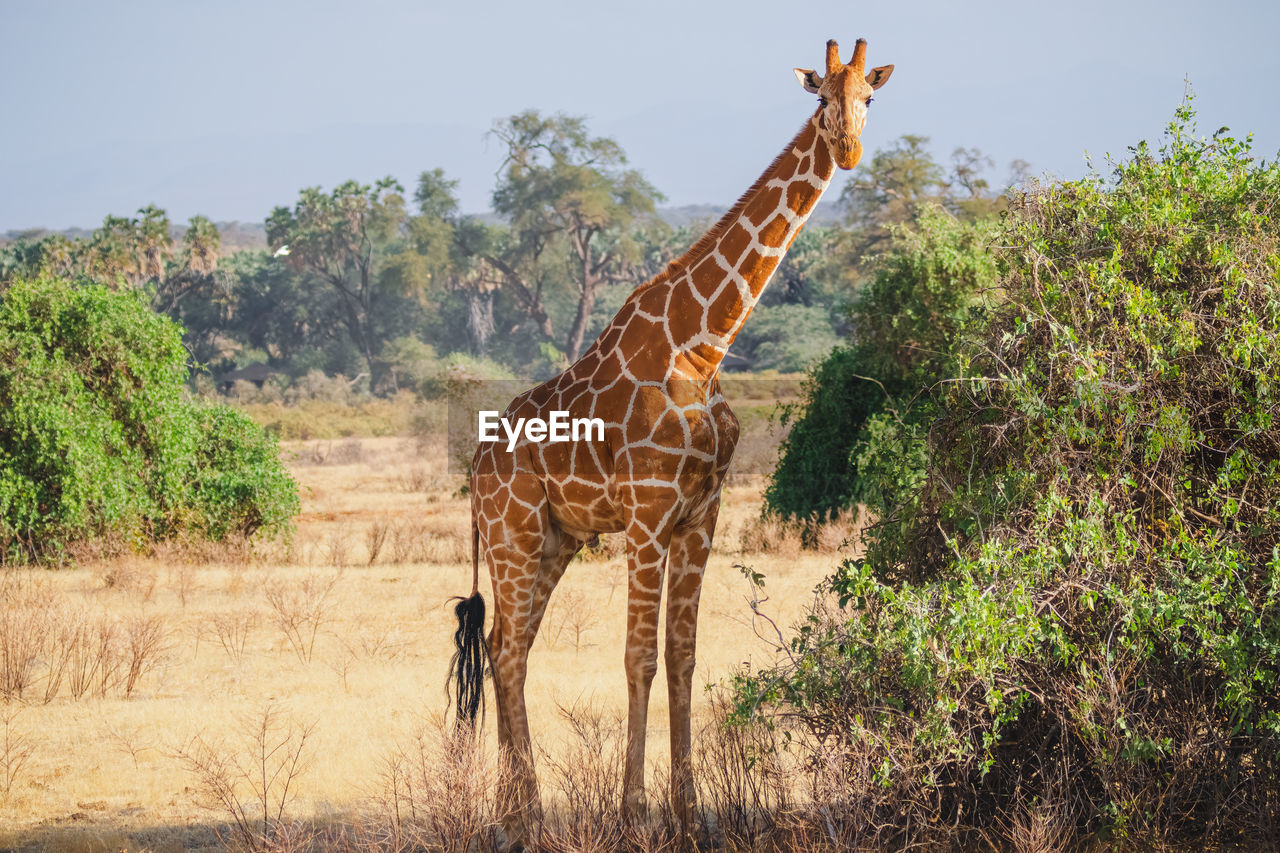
x=847, y=151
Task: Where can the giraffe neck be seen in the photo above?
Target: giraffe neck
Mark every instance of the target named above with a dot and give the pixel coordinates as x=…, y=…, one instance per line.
x=717, y=283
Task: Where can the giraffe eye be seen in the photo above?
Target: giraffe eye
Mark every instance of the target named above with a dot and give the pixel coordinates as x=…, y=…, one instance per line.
x=822, y=102
x=869, y=100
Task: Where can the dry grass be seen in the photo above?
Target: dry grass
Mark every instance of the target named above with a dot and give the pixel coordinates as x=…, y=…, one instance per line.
x=16, y=748
x=781, y=538
x=348, y=629
x=254, y=782
x=50, y=647
x=334, y=419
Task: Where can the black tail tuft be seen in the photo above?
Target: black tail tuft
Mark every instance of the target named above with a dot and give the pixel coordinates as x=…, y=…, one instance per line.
x=468, y=665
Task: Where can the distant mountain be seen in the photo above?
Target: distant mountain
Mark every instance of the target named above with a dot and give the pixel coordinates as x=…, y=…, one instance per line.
x=826, y=213
x=237, y=236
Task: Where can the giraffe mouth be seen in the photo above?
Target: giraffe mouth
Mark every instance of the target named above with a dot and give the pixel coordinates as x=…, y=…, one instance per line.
x=846, y=152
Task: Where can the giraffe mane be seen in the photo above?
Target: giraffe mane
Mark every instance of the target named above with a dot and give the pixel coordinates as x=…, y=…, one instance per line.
x=707, y=241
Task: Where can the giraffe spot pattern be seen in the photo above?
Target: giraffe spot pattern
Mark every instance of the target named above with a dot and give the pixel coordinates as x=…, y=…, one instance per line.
x=652, y=376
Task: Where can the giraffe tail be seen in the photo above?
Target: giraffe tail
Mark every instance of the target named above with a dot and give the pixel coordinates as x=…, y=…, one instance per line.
x=470, y=655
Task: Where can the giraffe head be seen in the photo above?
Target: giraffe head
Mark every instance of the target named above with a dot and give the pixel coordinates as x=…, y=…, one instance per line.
x=843, y=96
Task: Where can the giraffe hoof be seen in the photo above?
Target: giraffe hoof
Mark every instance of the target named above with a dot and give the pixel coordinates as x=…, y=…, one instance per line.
x=519, y=836
x=635, y=811
x=511, y=838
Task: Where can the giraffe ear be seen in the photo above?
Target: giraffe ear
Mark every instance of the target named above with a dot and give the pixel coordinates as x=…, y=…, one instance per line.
x=877, y=77
x=809, y=79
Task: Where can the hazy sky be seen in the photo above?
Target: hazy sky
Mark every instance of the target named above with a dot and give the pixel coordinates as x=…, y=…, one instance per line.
x=228, y=109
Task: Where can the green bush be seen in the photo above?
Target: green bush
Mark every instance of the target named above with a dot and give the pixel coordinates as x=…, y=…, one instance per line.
x=240, y=486
x=97, y=437
x=816, y=475
x=411, y=364
x=1077, y=606
x=862, y=406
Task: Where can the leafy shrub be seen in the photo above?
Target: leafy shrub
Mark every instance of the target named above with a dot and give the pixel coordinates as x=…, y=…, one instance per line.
x=1078, y=603
x=862, y=408
x=459, y=369
x=316, y=385
x=240, y=487
x=97, y=438
x=411, y=364
x=815, y=475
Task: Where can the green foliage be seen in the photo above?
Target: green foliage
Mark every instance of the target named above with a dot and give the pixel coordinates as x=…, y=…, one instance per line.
x=932, y=282
x=862, y=411
x=343, y=238
x=278, y=311
x=419, y=369
x=576, y=214
x=786, y=338
x=413, y=364
x=893, y=185
x=94, y=428
x=461, y=369
x=815, y=474
x=559, y=176
x=33, y=255
x=240, y=486
x=97, y=439
x=903, y=179
x=1078, y=599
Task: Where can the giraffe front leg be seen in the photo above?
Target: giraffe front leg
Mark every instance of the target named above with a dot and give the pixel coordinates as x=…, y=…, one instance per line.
x=646, y=558
x=690, y=548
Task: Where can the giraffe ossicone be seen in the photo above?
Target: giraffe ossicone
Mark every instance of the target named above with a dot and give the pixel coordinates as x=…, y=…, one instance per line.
x=652, y=377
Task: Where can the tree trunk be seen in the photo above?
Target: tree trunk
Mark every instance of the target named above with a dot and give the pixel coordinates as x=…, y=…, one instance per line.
x=587, y=301
x=530, y=298
x=480, y=323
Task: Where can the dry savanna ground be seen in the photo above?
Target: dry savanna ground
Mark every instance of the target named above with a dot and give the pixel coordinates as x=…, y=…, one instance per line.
x=166, y=686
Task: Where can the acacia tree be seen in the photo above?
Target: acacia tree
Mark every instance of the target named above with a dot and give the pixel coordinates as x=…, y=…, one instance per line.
x=904, y=177
x=451, y=246
x=890, y=189
x=342, y=238
x=570, y=200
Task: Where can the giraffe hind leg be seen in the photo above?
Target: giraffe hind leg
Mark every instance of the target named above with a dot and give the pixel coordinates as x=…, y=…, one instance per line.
x=509, y=651
x=551, y=568
x=525, y=564
x=557, y=551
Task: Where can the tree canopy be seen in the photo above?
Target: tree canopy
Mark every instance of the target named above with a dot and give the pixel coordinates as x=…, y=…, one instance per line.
x=352, y=269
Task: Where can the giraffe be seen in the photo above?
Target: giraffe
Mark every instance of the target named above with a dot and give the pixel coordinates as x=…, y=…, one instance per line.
x=652, y=377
